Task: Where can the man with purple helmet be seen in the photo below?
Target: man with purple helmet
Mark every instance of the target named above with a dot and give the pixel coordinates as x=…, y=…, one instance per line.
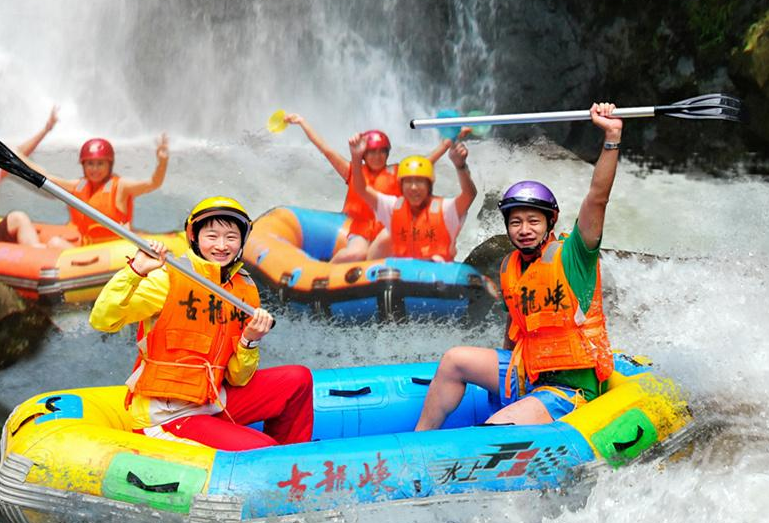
x=556, y=354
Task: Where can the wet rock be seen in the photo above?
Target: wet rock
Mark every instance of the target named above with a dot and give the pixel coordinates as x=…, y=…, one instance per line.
x=23, y=326
x=488, y=256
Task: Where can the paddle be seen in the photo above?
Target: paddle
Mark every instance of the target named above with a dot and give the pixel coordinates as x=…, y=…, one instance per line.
x=448, y=132
x=479, y=130
x=705, y=107
x=275, y=123
x=12, y=163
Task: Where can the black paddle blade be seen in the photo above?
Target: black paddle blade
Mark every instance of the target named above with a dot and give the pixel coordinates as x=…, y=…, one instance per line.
x=10, y=162
x=705, y=107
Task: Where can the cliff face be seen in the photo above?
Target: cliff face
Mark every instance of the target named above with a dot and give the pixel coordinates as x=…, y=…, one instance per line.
x=639, y=53
x=549, y=55
x=659, y=52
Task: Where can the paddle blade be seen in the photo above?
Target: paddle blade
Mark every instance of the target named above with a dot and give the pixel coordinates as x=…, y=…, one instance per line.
x=449, y=132
x=706, y=107
x=11, y=163
x=275, y=123
x=479, y=131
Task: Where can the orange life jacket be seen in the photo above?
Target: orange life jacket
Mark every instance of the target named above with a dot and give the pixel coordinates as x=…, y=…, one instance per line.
x=187, y=350
x=103, y=200
x=548, y=327
x=364, y=222
x=424, y=236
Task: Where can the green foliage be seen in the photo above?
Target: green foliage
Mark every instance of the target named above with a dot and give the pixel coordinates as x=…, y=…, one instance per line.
x=756, y=31
x=710, y=21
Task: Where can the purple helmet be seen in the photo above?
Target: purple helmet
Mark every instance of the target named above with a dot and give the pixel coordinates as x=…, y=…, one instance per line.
x=529, y=193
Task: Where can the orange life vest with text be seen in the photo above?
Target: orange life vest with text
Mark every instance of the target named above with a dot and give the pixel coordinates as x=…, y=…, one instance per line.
x=424, y=236
x=364, y=221
x=187, y=350
x=548, y=327
x=103, y=200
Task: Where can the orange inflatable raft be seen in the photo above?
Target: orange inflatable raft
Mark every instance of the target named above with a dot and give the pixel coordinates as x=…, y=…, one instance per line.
x=289, y=251
x=70, y=275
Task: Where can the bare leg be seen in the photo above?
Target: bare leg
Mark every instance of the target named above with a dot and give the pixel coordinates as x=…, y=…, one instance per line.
x=381, y=247
x=459, y=366
x=526, y=411
x=21, y=226
x=356, y=250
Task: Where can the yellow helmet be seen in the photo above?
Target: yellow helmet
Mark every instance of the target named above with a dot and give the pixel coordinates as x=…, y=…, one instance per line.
x=416, y=166
x=218, y=206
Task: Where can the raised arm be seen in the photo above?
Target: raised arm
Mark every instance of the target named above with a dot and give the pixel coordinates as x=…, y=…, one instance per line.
x=357, y=148
x=31, y=144
x=458, y=156
x=337, y=161
x=593, y=209
x=134, y=188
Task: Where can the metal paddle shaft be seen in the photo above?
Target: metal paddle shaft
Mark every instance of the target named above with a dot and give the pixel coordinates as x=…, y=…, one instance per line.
x=10, y=162
x=709, y=106
x=143, y=244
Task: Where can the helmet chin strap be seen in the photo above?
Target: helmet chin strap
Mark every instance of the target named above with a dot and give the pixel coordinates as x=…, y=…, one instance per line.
x=195, y=248
x=528, y=251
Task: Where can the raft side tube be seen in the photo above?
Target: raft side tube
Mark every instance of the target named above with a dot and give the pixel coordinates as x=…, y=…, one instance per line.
x=326, y=474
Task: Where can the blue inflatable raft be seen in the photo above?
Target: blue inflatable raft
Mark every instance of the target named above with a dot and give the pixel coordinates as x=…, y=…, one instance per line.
x=70, y=454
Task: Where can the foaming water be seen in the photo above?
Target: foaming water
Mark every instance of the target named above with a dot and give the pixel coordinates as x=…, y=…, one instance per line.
x=699, y=315
x=701, y=319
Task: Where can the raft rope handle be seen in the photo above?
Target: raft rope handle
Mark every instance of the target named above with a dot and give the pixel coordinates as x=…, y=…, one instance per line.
x=84, y=263
x=134, y=480
x=349, y=393
x=624, y=445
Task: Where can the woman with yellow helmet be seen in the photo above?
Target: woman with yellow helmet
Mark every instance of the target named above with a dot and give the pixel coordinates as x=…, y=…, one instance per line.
x=421, y=225
x=196, y=377
x=367, y=237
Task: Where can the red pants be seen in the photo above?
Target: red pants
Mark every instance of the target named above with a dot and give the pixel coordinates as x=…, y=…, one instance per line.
x=279, y=396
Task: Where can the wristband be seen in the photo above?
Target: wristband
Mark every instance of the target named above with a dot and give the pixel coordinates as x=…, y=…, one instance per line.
x=611, y=145
x=248, y=344
x=131, y=264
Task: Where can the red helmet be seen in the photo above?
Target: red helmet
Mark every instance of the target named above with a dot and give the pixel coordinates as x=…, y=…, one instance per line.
x=376, y=140
x=97, y=149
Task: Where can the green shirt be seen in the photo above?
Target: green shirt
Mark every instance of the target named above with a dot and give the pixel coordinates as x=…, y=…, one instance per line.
x=580, y=265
